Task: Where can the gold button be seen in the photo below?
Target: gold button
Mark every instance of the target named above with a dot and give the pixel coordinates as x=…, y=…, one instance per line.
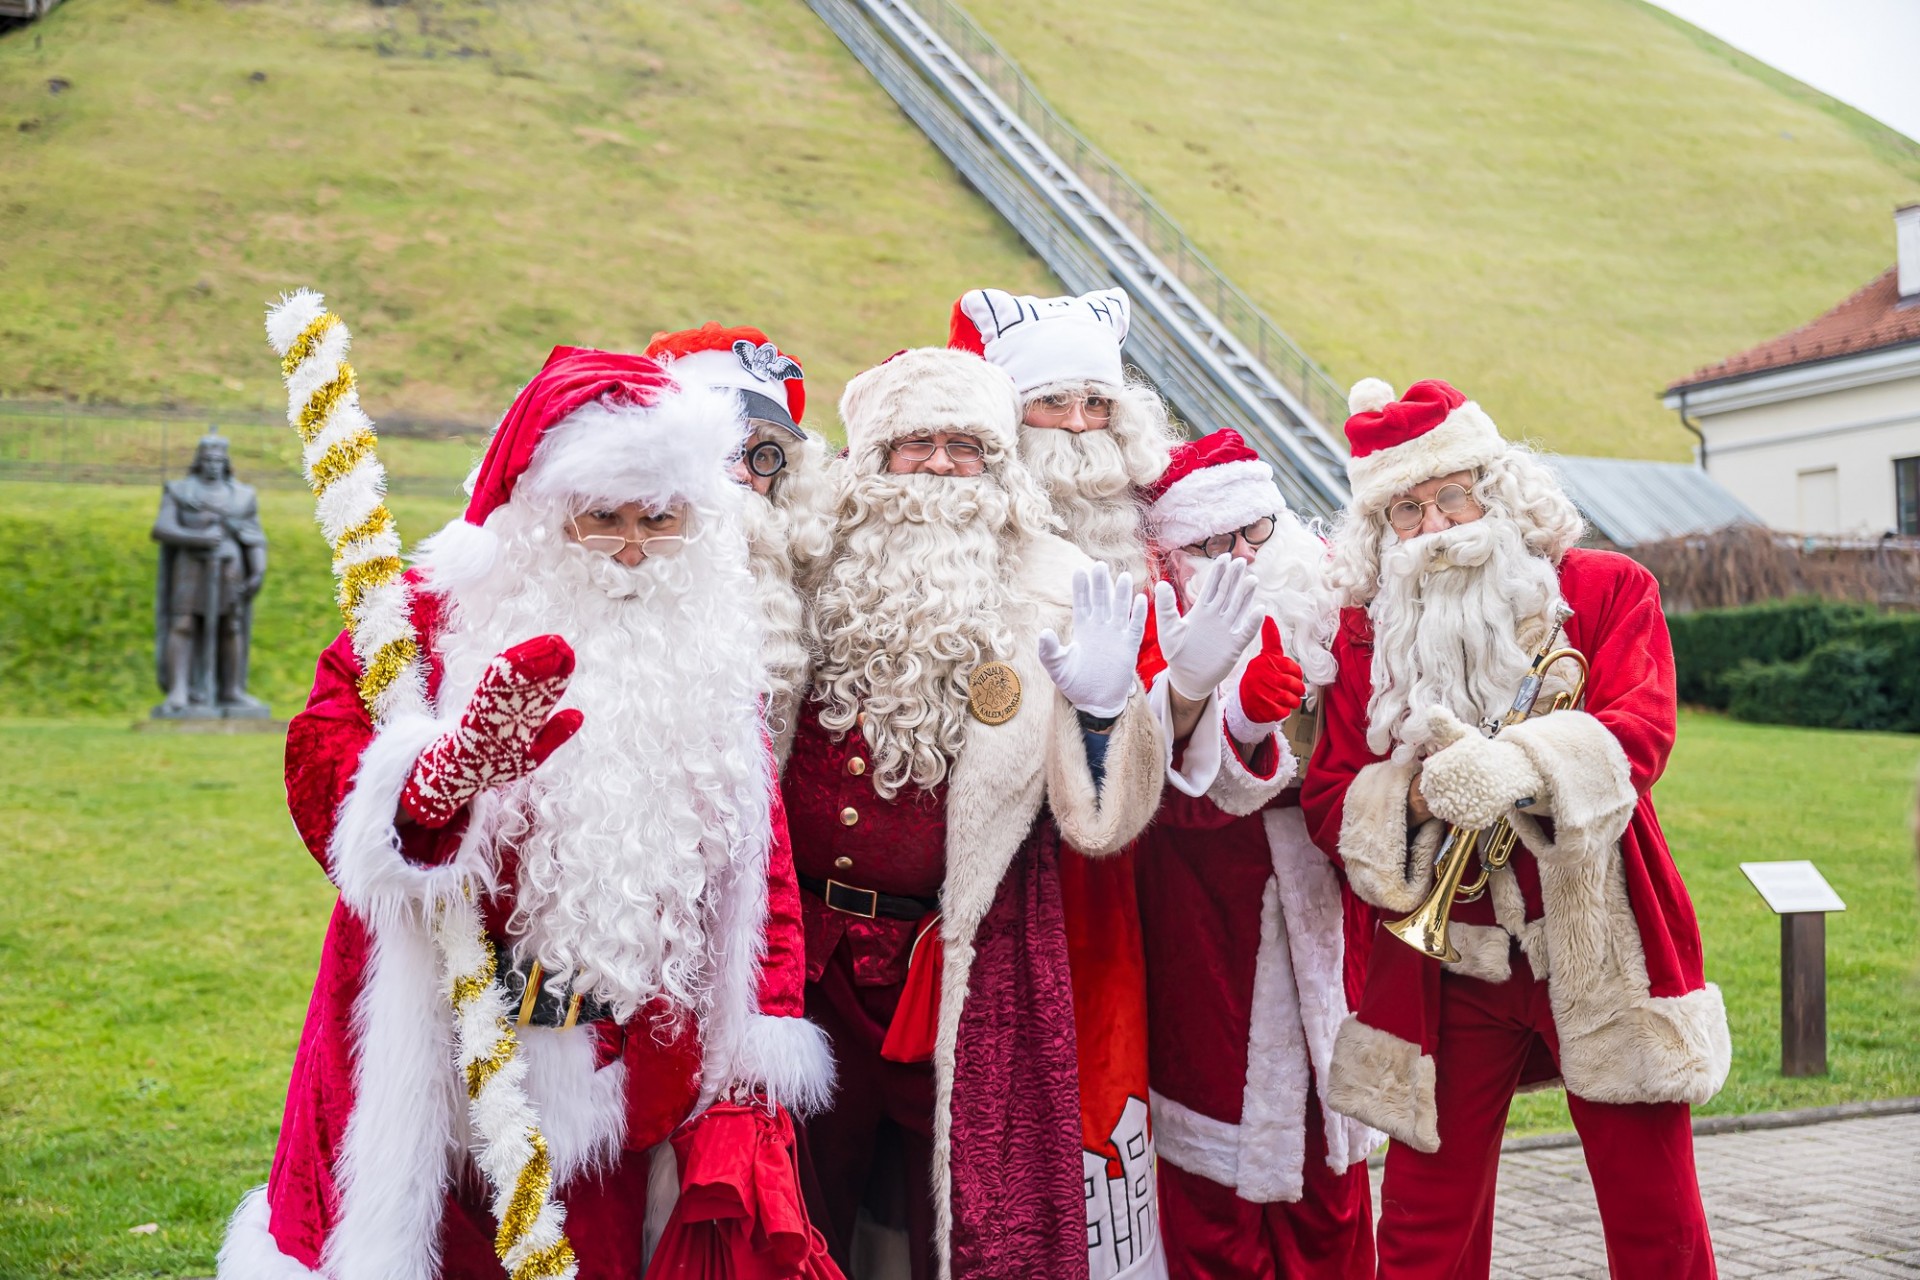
x=842, y=863
x=856, y=766
x=849, y=816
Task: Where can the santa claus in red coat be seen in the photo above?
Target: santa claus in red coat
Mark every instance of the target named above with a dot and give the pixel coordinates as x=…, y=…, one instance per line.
x=1581, y=962
x=1245, y=920
x=588, y=766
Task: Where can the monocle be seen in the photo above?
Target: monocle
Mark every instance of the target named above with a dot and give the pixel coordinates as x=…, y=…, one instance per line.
x=993, y=693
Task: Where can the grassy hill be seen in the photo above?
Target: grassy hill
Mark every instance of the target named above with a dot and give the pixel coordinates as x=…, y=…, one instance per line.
x=470, y=182
x=1561, y=205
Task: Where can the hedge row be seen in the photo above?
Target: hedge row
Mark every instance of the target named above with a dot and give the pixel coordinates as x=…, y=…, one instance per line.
x=1808, y=662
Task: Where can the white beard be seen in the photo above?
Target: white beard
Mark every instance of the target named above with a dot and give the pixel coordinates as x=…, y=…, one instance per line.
x=782, y=614
x=1091, y=477
x=628, y=836
x=1455, y=622
x=913, y=600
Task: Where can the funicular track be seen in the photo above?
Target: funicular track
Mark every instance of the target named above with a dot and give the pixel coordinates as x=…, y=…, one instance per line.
x=1210, y=351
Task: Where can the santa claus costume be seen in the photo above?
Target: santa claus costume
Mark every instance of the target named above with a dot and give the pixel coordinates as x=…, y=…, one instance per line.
x=789, y=527
x=1249, y=973
x=952, y=743
x=1582, y=960
x=1092, y=438
x=642, y=865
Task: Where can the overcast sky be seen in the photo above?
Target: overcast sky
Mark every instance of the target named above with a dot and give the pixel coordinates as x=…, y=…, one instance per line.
x=1864, y=52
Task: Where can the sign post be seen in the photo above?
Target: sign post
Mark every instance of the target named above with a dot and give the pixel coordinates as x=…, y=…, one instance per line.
x=1801, y=897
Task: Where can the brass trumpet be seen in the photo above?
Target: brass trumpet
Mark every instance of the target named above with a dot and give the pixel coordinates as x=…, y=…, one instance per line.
x=1425, y=930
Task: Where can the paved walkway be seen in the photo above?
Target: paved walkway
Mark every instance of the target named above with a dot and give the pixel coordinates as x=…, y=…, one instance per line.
x=1840, y=1198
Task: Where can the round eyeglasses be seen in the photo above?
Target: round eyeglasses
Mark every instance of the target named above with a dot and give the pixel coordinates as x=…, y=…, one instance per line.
x=1220, y=544
x=1407, y=515
x=959, y=452
x=1054, y=409
x=766, y=459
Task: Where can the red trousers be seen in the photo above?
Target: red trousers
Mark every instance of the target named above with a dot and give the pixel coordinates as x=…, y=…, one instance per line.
x=878, y=1107
x=1436, y=1211
x=1212, y=1234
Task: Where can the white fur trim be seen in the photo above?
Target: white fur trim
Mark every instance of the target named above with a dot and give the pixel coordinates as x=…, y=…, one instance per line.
x=1387, y=1083
x=457, y=558
x=1241, y=729
x=1237, y=789
x=1465, y=441
x=392, y=1166
x=1370, y=395
x=1486, y=951
x=1273, y=1131
x=582, y=1110
x=1200, y=762
x=1197, y=1143
x=791, y=1059
x=1214, y=500
x=929, y=389
x=250, y=1252
x=1373, y=838
x=375, y=879
x=1584, y=767
x=677, y=448
x=1042, y=340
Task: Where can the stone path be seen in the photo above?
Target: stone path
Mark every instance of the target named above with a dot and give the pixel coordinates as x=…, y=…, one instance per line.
x=1839, y=1198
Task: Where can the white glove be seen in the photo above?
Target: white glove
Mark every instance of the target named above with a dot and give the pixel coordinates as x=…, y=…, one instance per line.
x=1472, y=780
x=1203, y=646
x=1096, y=671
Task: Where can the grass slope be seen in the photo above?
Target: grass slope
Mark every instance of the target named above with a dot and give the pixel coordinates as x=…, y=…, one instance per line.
x=1561, y=205
x=470, y=182
x=165, y=927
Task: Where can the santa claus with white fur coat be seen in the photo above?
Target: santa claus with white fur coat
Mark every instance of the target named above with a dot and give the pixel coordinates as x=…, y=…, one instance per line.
x=1249, y=969
x=594, y=774
x=1582, y=960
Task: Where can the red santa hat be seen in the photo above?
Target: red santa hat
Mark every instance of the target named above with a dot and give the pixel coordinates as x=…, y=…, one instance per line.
x=1215, y=484
x=769, y=381
x=1432, y=430
x=927, y=389
x=1043, y=340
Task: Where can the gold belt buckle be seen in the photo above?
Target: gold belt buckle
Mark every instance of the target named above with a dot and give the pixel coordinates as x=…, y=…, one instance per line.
x=873, y=900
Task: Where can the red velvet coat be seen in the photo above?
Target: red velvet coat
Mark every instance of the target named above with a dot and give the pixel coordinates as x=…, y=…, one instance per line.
x=1592, y=896
x=362, y=1183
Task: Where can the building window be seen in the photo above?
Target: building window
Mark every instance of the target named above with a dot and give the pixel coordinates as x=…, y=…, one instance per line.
x=1906, y=495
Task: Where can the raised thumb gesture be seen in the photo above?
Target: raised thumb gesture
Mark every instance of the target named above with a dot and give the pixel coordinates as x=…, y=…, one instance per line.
x=1270, y=689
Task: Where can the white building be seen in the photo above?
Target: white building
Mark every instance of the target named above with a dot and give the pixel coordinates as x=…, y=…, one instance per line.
x=1818, y=430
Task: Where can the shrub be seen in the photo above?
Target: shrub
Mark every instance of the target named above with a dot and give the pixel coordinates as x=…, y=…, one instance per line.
x=1805, y=662
x=1710, y=644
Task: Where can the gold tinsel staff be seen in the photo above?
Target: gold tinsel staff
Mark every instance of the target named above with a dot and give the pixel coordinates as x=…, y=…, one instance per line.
x=349, y=487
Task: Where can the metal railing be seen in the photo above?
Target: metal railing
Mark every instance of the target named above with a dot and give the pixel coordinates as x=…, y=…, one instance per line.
x=1210, y=375
x=111, y=444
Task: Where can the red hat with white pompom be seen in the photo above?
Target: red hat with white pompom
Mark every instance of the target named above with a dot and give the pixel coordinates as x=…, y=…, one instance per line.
x=1211, y=485
x=1044, y=340
x=1432, y=430
x=741, y=359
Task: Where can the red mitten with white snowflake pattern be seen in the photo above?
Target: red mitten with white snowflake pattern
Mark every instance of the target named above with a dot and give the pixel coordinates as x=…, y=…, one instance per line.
x=1270, y=689
x=508, y=728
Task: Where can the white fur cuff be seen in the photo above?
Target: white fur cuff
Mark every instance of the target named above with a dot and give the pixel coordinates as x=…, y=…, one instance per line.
x=249, y=1252
x=790, y=1058
x=1238, y=790
x=1383, y=865
x=1241, y=729
x=375, y=879
x=1584, y=767
x=1386, y=1082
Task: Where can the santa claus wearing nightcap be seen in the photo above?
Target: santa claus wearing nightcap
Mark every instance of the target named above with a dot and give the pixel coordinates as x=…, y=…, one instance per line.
x=593, y=772
x=1581, y=961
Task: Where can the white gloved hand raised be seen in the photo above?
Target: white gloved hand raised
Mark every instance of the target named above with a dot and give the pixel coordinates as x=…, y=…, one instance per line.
x=1203, y=645
x=1096, y=671
x=1472, y=781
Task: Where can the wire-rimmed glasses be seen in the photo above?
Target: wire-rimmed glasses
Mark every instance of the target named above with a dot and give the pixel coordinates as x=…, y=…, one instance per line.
x=1220, y=544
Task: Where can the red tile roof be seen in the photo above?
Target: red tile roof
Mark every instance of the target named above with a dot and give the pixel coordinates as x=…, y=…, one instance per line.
x=1871, y=319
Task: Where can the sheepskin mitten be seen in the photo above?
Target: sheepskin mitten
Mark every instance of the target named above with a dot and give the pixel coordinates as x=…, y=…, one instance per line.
x=1472, y=781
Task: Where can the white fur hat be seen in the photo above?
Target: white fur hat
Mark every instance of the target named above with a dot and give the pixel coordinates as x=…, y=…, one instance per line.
x=1043, y=340
x=1215, y=484
x=1432, y=430
x=927, y=389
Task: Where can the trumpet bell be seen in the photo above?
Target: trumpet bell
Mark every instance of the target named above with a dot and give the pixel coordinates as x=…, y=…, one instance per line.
x=1426, y=929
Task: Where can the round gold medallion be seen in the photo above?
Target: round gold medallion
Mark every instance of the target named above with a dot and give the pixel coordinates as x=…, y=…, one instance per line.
x=993, y=693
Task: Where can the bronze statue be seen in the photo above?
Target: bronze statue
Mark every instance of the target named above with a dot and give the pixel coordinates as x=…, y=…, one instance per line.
x=213, y=557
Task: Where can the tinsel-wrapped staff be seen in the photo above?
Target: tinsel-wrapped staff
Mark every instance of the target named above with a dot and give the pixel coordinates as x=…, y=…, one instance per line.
x=349, y=486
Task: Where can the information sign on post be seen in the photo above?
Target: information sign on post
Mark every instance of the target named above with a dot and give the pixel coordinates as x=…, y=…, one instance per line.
x=1801, y=897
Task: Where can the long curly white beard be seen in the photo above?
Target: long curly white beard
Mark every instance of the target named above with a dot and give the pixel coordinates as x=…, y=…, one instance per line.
x=913, y=600
x=1091, y=477
x=1455, y=622
x=625, y=835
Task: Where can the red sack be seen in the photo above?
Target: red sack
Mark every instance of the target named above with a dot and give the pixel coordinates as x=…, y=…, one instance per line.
x=916, y=1019
x=739, y=1216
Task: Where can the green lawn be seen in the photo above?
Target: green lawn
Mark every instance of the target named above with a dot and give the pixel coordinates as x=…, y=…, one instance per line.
x=165, y=925
x=1561, y=205
x=469, y=182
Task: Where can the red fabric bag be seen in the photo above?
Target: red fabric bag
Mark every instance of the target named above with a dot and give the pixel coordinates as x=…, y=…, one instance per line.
x=916, y=1019
x=739, y=1216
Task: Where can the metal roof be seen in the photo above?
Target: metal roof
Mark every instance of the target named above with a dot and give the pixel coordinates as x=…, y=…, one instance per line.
x=1629, y=501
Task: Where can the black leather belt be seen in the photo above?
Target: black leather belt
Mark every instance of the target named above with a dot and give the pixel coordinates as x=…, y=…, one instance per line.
x=547, y=1008
x=868, y=903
